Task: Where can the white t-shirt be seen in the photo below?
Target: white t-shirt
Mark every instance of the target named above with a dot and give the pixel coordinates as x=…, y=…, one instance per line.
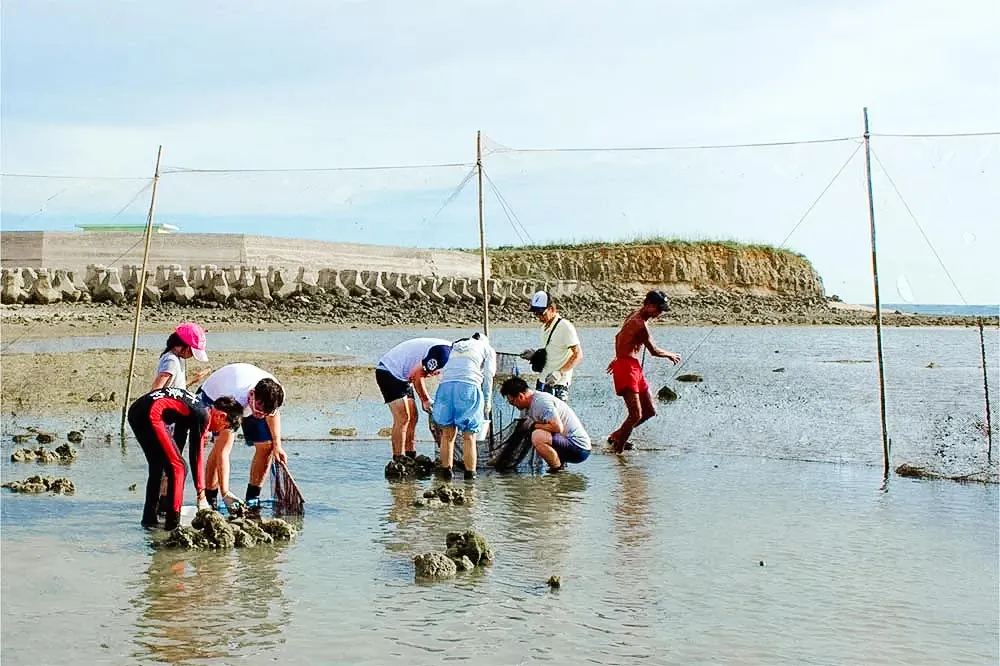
x=557, y=351
x=236, y=380
x=173, y=364
x=472, y=361
x=545, y=406
x=407, y=356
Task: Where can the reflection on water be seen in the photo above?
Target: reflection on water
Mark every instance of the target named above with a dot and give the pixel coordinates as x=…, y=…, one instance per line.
x=187, y=599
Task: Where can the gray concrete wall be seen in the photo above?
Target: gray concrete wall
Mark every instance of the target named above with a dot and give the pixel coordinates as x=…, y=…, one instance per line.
x=74, y=251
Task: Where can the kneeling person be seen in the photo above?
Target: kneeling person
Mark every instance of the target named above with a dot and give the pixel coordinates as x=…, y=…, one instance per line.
x=151, y=417
x=557, y=434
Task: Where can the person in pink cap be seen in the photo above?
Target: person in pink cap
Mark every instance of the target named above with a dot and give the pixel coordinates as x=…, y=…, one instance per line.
x=187, y=341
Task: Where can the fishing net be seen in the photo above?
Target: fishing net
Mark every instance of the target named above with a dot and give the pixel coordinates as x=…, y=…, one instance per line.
x=285, y=493
x=506, y=447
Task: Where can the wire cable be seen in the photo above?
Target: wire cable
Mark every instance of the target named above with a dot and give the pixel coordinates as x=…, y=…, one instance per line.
x=394, y=167
x=451, y=197
x=935, y=136
x=512, y=217
x=821, y=194
x=623, y=149
x=919, y=228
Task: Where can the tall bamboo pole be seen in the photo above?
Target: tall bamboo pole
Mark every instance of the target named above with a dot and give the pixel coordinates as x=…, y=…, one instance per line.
x=141, y=290
x=878, y=305
x=482, y=237
x=986, y=390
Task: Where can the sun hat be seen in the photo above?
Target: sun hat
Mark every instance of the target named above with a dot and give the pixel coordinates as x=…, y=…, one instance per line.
x=193, y=336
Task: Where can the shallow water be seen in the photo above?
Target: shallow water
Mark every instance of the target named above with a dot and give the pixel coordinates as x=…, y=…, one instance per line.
x=659, y=557
x=659, y=553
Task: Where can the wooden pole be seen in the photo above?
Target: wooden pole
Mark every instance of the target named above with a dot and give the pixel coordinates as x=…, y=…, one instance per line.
x=482, y=237
x=141, y=289
x=878, y=306
x=986, y=390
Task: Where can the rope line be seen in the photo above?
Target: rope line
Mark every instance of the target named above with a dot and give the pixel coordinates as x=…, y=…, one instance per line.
x=393, y=167
x=451, y=197
x=7, y=346
x=53, y=176
x=620, y=149
x=821, y=194
x=935, y=136
x=509, y=212
x=919, y=228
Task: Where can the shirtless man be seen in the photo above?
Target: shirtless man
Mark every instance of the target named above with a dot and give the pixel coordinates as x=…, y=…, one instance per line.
x=630, y=382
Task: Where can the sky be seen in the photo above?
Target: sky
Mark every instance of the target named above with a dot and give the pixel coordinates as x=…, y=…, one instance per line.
x=265, y=91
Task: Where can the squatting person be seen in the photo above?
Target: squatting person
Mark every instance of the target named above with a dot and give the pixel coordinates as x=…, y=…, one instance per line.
x=556, y=432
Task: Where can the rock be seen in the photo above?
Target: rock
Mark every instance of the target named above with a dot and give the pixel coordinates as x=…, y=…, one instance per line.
x=185, y=537
x=278, y=529
x=932, y=365
x=405, y=467
x=554, y=582
x=384, y=432
x=914, y=472
x=689, y=378
x=469, y=544
x=66, y=453
x=23, y=437
x=97, y=397
x=778, y=370
x=37, y=484
x=75, y=436
x=434, y=565
x=447, y=494
x=666, y=394
x=133, y=487
x=45, y=437
x=343, y=432
x=464, y=564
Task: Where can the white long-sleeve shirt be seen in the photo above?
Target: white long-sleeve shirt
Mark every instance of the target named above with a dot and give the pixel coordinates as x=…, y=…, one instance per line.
x=473, y=362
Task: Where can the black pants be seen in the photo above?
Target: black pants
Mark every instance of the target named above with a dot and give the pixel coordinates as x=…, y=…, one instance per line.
x=163, y=456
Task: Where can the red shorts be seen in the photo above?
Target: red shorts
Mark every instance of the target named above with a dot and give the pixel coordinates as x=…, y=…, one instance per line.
x=628, y=377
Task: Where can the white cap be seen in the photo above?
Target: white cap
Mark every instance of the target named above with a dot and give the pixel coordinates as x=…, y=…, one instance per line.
x=540, y=300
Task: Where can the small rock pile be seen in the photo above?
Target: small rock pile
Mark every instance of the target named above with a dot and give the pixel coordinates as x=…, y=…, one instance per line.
x=210, y=530
x=42, y=484
x=466, y=551
x=405, y=467
x=63, y=454
x=446, y=494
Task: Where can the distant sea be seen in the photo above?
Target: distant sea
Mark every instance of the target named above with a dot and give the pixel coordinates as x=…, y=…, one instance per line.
x=942, y=309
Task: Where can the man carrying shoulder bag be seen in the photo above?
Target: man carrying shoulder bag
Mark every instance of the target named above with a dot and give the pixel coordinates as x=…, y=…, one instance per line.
x=560, y=351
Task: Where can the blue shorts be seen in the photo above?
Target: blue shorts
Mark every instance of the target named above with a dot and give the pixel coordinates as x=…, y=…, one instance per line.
x=567, y=450
x=255, y=430
x=459, y=404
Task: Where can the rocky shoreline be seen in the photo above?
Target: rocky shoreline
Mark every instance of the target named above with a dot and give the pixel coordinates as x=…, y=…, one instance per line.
x=604, y=305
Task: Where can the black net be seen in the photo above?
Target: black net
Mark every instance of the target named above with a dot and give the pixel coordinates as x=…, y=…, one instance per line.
x=505, y=447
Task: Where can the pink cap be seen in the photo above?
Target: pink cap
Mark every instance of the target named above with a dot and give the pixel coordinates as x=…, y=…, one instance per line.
x=193, y=336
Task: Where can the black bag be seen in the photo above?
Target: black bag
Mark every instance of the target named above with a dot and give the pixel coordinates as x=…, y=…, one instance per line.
x=538, y=359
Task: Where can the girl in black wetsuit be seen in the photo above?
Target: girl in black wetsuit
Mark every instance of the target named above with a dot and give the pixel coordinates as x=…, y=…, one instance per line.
x=149, y=417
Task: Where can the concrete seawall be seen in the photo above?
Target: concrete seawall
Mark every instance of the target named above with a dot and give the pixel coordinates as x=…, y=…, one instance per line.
x=74, y=251
x=217, y=284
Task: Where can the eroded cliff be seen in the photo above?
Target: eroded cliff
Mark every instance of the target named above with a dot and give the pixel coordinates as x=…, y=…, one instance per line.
x=683, y=268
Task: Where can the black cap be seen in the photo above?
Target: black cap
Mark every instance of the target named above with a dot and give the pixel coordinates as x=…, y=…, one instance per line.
x=659, y=299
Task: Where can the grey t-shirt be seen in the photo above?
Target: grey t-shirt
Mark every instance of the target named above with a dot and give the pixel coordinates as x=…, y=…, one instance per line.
x=171, y=363
x=545, y=406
